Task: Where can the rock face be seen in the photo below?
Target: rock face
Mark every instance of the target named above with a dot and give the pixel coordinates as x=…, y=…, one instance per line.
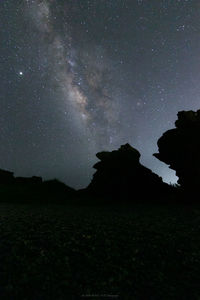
x=119, y=173
x=180, y=149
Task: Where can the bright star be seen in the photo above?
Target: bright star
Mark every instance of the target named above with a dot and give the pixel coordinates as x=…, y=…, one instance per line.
x=21, y=73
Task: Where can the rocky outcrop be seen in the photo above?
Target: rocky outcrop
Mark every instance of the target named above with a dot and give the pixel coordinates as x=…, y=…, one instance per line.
x=180, y=149
x=119, y=173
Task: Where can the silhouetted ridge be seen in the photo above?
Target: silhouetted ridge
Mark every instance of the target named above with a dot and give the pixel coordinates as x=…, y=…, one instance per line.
x=33, y=188
x=6, y=177
x=34, y=180
x=119, y=173
x=56, y=186
x=180, y=149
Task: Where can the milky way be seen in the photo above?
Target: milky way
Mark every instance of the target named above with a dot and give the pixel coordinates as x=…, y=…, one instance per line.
x=84, y=76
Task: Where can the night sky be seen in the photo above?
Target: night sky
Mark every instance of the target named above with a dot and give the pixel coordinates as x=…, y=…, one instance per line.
x=81, y=76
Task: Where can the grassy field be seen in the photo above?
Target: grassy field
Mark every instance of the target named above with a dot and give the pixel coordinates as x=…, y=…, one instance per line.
x=77, y=252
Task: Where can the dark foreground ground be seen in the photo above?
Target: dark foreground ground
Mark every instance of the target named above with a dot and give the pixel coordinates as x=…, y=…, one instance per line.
x=77, y=252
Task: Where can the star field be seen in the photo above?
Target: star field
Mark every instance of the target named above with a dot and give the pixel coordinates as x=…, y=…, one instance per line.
x=79, y=77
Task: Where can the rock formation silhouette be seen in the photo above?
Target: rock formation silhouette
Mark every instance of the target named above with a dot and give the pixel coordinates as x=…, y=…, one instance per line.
x=34, y=180
x=33, y=188
x=6, y=177
x=55, y=186
x=180, y=149
x=120, y=174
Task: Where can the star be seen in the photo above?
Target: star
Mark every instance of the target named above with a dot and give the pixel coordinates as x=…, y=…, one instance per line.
x=21, y=73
